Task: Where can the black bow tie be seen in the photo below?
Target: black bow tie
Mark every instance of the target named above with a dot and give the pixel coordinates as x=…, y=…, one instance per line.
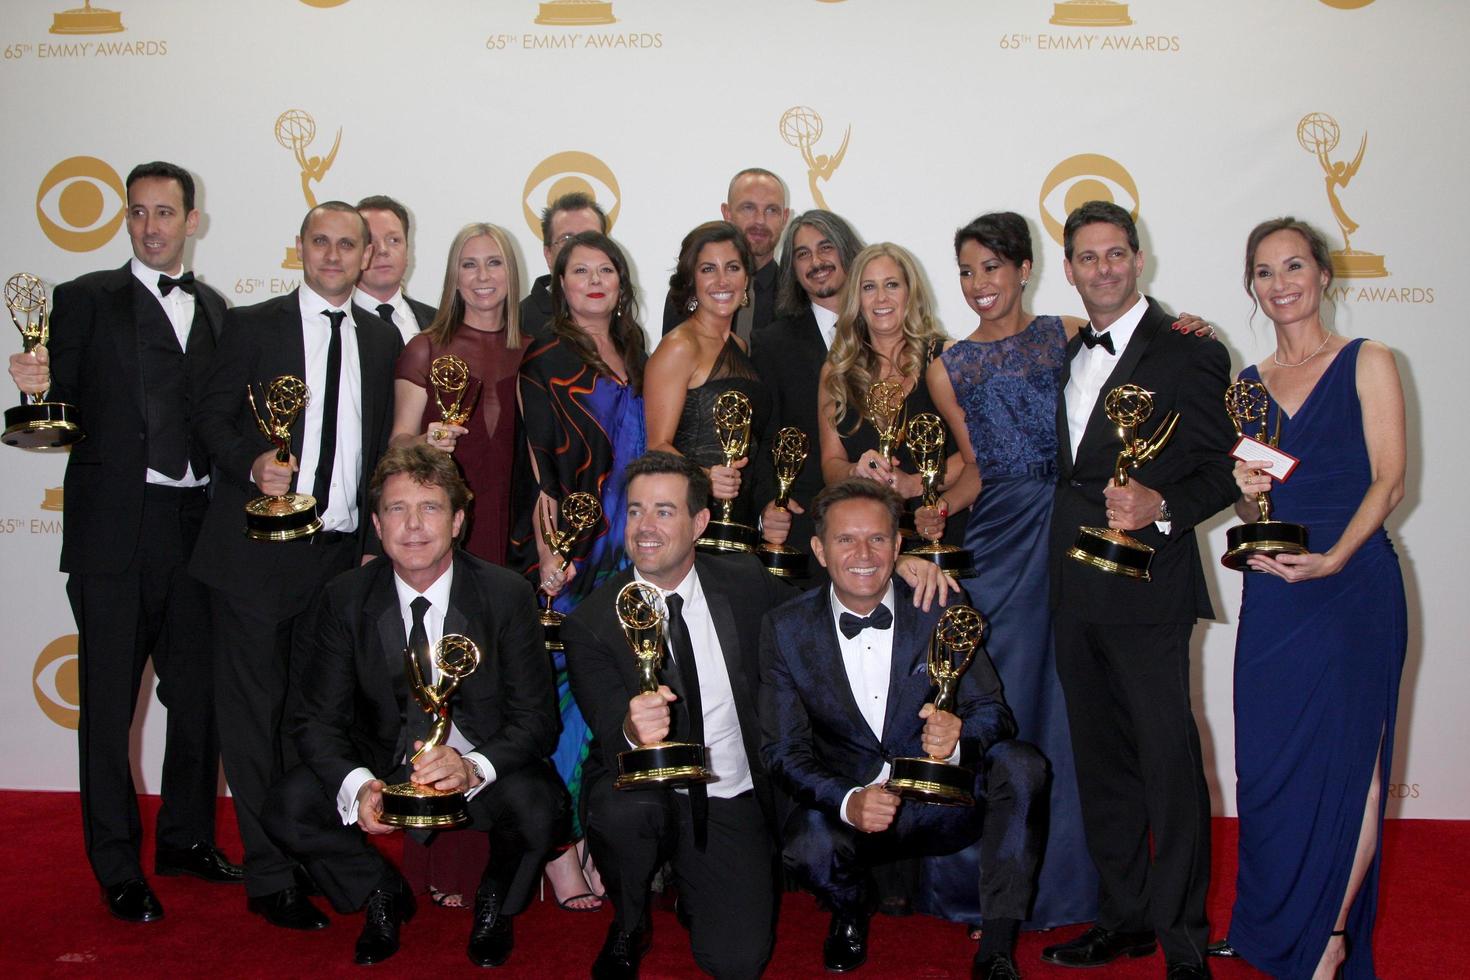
x=878, y=619
x=1092, y=338
x=185, y=282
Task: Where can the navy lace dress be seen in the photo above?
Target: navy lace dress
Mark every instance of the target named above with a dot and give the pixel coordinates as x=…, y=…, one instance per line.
x=1008, y=390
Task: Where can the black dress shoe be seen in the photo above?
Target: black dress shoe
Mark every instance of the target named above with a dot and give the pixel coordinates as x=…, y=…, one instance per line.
x=289, y=909
x=1222, y=949
x=133, y=901
x=202, y=861
x=997, y=967
x=1187, y=971
x=492, y=935
x=1097, y=946
x=846, y=946
x=620, y=954
x=387, y=909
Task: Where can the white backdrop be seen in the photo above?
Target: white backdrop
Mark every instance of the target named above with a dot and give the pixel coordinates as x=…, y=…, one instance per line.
x=478, y=109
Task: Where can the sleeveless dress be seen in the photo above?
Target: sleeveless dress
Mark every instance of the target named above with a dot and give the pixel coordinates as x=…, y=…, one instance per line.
x=583, y=429
x=696, y=437
x=1317, y=670
x=1008, y=391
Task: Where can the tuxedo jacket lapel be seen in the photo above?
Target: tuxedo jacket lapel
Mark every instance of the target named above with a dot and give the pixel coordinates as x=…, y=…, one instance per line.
x=1064, y=430
x=381, y=610
x=290, y=345
x=910, y=644
x=125, y=334
x=723, y=618
x=823, y=657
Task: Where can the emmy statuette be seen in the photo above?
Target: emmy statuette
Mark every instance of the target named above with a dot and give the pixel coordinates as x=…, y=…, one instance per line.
x=410, y=804
x=36, y=423
x=886, y=410
x=926, y=445
x=291, y=515
x=790, y=453
x=1248, y=401
x=1104, y=548
x=641, y=611
x=455, y=390
x=951, y=649
x=732, y=428
x=580, y=512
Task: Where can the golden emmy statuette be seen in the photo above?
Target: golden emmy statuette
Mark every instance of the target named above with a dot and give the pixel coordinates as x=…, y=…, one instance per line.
x=36, y=423
x=291, y=515
x=1318, y=133
x=801, y=127
x=450, y=378
x=641, y=611
x=1248, y=401
x=732, y=428
x=1090, y=13
x=409, y=804
x=790, y=452
x=575, y=13
x=886, y=410
x=956, y=636
x=926, y=435
x=295, y=129
x=580, y=512
x=86, y=19
x=1104, y=548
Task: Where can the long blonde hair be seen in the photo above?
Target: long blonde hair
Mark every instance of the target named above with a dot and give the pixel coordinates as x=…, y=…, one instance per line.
x=852, y=362
x=451, y=306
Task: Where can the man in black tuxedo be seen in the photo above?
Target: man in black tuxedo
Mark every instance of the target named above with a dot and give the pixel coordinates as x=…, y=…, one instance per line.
x=561, y=221
x=756, y=204
x=381, y=285
x=358, y=723
x=261, y=589
x=844, y=692
x=1123, y=643
x=789, y=352
x=127, y=348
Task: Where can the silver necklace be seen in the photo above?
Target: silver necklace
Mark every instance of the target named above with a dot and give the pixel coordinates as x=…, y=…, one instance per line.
x=1320, y=348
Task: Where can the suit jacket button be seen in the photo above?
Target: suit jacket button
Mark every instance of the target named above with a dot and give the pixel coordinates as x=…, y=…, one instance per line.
x=1075, y=483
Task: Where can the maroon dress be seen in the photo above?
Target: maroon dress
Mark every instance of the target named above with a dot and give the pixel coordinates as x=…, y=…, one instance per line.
x=452, y=862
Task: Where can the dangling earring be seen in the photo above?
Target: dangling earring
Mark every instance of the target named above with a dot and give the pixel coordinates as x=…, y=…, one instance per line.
x=745, y=297
x=1024, y=282
x=692, y=305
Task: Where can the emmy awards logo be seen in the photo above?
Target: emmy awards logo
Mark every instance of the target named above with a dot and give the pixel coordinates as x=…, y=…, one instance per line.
x=1318, y=134
x=1093, y=173
x=54, y=498
x=86, y=19
x=565, y=172
x=1090, y=13
x=575, y=13
x=56, y=681
x=580, y=512
x=801, y=127
x=295, y=130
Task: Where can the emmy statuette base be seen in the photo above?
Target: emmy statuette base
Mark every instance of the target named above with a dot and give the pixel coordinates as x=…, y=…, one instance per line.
x=284, y=518
x=293, y=258
x=952, y=561
x=1262, y=538
x=411, y=805
x=1353, y=264
x=42, y=425
x=662, y=764
x=1112, y=551
x=783, y=561
x=551, y=621
x=932, y=781
x=727, y=537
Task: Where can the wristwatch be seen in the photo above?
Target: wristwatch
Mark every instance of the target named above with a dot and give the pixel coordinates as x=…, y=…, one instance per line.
x=475, y=766
x=1164, y=514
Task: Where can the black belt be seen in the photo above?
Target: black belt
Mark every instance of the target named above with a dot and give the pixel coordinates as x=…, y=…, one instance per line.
x=162, y=491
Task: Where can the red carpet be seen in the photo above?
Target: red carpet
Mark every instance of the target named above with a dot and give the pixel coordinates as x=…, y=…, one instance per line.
x=56, y=925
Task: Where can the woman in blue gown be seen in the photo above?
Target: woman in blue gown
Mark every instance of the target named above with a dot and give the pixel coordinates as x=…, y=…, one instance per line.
x=582, y=411
x=1322, y=636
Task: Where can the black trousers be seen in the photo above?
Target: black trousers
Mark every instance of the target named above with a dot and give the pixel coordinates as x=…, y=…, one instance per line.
x=1140, y=776
x=729, y=888
x=257, y=636
x=835, y=860
x=153, y=608
x=526, y=813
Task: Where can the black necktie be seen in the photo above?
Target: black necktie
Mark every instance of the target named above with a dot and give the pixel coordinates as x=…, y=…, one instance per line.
x=418, y=642
x=1092, y=338
x=385, y=310
x=683, y=651
x=321, y=489
x=185, y=282
x=878, y=619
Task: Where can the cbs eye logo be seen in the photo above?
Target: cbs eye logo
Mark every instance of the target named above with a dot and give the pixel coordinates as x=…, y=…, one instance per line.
x=81, y=204
x=324, y=3
x=56, y=681
x=564, y=173
x=1347, y=4
x=1082, y=178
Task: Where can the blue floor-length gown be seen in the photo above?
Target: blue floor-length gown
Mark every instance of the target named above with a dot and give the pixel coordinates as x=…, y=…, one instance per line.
x=1317, y=670
x=1008, y=390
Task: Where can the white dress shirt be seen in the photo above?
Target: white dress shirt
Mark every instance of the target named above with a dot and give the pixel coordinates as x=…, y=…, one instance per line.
x=438, y=596
x=826, y=324
x=403, y=318
x=178, y=306
x=868, y=661
x=1091, y=368
x=316, y=330
x=727, y=759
